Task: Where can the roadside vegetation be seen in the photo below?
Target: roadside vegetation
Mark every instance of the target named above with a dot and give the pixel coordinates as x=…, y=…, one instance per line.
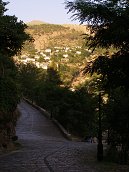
x=103, y=96
x=12, y=37
x=105, y=93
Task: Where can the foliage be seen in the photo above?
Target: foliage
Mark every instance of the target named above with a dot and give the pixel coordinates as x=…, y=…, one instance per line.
x=118, y=104
x=74, y=110
x=12, y=37
x=106, y=20
x=116, y=112
x=52, y=77
x=28, y=75
x=29, y=48
x=46, y=28
x=114, y=70
x=82, y=112
x=109, y=26
x=52, y=35
x=8, y=95
x=12, y=34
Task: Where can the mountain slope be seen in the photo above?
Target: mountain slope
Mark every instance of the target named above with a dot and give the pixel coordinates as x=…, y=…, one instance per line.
x=51, y=35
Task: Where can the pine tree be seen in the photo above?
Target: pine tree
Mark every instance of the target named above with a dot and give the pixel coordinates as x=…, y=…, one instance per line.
x=108, y=22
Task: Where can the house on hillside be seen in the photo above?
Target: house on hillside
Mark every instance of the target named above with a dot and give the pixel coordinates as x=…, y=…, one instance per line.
x=36, y=57
x=66, y=49
x=78, y=52
x=24, y=61
x=30, y=59
x=48, y=51
x=47, y=58
x=65, y=55
x=24, y=56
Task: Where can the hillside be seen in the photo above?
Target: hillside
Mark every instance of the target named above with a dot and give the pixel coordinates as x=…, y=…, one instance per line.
x=61, y=46
x=51, y=35
x=79, y=28
x=35, y=22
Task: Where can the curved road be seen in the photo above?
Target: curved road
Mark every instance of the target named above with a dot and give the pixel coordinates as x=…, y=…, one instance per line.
x=44, y=149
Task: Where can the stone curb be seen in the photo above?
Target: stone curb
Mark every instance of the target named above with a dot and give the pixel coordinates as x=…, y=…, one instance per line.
x=65, y=133
x=38, y=108
x=48, y=115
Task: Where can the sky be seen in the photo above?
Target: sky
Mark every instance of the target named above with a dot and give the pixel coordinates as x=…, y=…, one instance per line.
x=49, y=11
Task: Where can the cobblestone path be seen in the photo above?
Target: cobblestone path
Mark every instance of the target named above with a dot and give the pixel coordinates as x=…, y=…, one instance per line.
x=44, y=149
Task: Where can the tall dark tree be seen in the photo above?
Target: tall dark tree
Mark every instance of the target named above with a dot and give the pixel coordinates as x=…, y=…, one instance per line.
x=28, y=75
x=109, y=25
x=108, y=22
x=12, y=32
x=12, y=38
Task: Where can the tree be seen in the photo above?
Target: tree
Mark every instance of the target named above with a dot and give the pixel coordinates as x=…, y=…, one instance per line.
x=12, y=38
x=103, y=19
x=53, y=76
x=109, y=26
x=117, y=120
x=12, y=33
x=28, y=76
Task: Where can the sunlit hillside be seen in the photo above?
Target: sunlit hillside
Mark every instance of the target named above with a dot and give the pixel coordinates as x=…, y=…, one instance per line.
x=62, y=46
x=51, y=35
x=35, y=22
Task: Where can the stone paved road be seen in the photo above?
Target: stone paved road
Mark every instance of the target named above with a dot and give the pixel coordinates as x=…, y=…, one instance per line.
x=44, y=149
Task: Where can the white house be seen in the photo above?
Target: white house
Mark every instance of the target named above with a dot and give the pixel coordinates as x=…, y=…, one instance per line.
x=47, y=58
x=30, y=59
x=23, y=61
x=65, y=55
x=24, y=56
x=44, y=55
x=48, y=50
x=78, y=52
x=66, y=49
x=36, y=57
x=57, y=51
